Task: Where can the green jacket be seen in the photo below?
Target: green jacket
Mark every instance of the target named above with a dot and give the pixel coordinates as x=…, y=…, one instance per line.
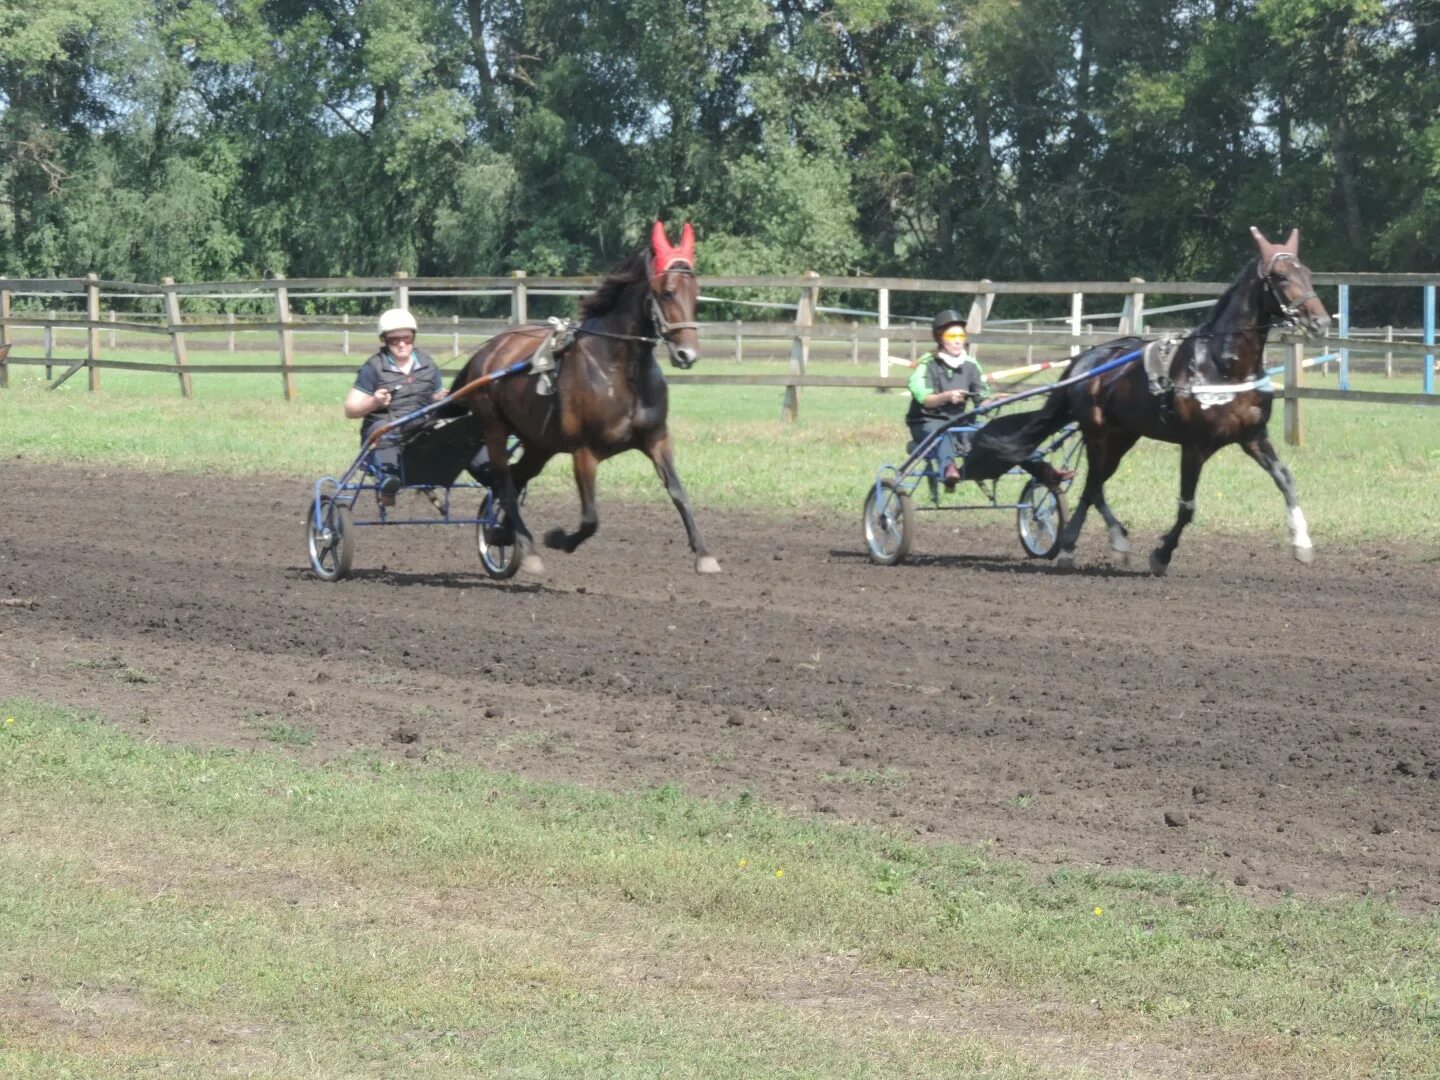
x=932, y=376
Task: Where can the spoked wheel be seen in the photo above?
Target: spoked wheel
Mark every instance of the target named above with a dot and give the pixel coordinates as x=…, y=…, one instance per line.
x=499, y=553
x=889, y=523
x=1040, y=519
x=330, y=538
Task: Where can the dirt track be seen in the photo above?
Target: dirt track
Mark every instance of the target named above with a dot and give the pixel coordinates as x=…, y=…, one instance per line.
x=1283, y=717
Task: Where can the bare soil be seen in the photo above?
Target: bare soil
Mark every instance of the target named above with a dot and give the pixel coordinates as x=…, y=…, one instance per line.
x=1272, y=724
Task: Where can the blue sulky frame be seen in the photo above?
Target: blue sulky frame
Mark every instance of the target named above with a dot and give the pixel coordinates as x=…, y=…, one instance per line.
x=890, y=505
x=889, y=514
x=332, y=519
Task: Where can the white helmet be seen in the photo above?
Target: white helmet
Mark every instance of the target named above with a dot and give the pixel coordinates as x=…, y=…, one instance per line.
x=397, y=319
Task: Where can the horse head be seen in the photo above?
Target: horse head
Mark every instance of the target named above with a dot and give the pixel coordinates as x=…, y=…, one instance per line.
x=674, y=293
x=1289, y=292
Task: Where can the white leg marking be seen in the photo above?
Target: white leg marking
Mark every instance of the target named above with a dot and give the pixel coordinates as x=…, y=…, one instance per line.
x=1299, y=529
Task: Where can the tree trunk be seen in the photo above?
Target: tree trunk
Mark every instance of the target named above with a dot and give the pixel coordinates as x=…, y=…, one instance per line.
x=1348, y=188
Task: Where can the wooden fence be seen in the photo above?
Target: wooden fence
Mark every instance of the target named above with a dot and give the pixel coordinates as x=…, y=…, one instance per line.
x=811, y=325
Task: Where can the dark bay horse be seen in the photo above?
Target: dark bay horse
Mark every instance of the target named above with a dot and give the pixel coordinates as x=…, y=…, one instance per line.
x=1215, y=393
x=609, y=394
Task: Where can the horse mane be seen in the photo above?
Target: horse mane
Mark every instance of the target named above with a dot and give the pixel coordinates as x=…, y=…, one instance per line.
x=1246, y=277
x=606, y=298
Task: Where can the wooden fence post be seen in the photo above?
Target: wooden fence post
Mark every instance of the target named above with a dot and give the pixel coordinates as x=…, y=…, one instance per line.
x=1294, y=373
x=177, y=336
x=287, y=338
x=855, y=343
x=402, y=290
x=980, y=309
x=110, y=315
x=455, y=335
x=92, y=332
x=4, y=330
x=519, y=300
x=739, y=342
x=1389, y=356
x=230, y=331
x=49, y=342
x=800, y=345
x=1132, y=316
x=1077, y=319
x=1029, y=348
x=345, y=336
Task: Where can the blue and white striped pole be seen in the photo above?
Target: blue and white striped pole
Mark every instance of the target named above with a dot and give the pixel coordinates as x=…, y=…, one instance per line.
x=1429, y=338
x=1344, y=335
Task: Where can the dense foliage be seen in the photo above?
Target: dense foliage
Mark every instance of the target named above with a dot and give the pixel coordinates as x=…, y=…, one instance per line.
x=1014, y=139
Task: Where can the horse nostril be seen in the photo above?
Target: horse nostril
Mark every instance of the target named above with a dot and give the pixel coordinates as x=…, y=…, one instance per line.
x=686, y=357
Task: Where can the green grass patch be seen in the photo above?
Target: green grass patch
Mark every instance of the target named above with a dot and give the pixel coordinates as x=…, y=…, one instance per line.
x=1365, y=472
x=211, y=912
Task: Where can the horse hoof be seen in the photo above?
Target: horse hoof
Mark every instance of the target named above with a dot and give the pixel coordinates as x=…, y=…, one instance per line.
x=1065, y=560
x=1158, y=566
x=707, y=564
x=555, y=538
x=1305, y=555
x=533, y=565
x=1120, y=543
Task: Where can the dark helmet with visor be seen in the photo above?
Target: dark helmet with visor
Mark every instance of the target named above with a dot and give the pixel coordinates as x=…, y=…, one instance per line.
x=947, y=318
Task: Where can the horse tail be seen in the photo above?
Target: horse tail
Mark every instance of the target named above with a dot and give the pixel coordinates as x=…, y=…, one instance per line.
x=1012, y=439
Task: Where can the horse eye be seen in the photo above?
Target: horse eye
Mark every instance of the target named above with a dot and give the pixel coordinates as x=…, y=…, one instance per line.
x=668, y=294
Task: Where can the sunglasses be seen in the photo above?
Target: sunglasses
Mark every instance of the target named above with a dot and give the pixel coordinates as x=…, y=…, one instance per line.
x=400, y=339
x=954, y=335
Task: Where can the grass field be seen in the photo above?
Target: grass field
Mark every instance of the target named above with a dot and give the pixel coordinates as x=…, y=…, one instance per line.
x=1366, y=472
x=197, y=914
x=176, y=913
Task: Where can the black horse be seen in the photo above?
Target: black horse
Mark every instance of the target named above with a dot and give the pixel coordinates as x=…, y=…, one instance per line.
x=608, y=394
x=1213, y=392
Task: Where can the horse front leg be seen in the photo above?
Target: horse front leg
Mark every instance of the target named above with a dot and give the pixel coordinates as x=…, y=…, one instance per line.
x=507, y=491
x=586, y=465
x=662, y=454
x=1192, y=460
x=1263, y=453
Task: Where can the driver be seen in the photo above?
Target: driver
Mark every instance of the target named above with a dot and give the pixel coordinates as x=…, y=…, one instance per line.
x=946, y=384
x=393, y=382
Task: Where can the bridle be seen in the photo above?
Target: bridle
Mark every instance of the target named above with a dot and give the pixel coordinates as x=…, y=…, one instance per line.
x=1289, y=310
x=664, y=326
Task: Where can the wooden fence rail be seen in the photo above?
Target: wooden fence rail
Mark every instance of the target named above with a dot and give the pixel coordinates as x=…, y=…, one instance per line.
x=805, y=330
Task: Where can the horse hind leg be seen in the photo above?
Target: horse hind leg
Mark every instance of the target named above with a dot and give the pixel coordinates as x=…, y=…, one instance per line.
x=1102, y=459
x=586, y=466
x=507, y=488
x=662, y=455
x=1262, y=452
x=1118, y=534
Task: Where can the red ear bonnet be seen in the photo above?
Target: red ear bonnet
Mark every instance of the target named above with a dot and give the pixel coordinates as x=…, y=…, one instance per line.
x=666, y=256
x=660, y=247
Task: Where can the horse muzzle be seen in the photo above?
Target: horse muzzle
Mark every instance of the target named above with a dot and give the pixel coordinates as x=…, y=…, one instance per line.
x=682, y=357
